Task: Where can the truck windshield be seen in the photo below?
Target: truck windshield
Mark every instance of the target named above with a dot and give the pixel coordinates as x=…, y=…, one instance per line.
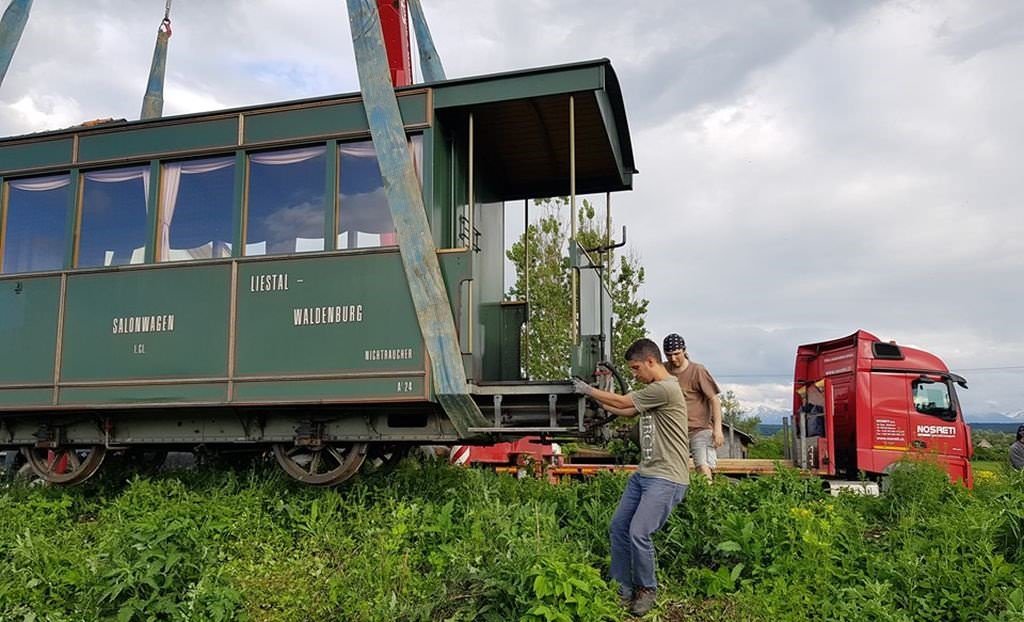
x=932, y=398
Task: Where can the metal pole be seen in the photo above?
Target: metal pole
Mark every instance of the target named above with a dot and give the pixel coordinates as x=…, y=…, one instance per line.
x=802, y=437
x=452, y=158
x=608, y=239
x=732, y=434
x=471, y=207
x=471, y=199
x=526, y=270
x=572, y=214
x=786, y=450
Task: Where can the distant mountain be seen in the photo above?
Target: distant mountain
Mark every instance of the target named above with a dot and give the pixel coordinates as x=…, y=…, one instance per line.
x=767, y=415
x=995, y=417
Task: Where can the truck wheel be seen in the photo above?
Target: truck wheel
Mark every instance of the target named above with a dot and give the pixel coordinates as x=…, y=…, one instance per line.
x=885, y=477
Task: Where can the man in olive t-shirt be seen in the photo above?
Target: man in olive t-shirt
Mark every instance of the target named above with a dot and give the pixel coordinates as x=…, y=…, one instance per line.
x=662, y=479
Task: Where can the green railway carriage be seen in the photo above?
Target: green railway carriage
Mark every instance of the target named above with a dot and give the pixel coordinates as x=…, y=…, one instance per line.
x=233, y=279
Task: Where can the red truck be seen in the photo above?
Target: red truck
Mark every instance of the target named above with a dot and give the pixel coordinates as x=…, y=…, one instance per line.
x=861, y=404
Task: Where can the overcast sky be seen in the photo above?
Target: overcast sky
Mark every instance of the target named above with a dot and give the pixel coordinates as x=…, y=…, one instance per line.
x=808, y=168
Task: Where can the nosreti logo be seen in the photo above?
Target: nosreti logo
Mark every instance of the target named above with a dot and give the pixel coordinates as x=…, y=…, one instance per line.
x=945, y=431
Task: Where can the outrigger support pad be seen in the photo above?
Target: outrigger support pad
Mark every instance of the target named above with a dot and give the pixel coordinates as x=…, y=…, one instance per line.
x=419, y=256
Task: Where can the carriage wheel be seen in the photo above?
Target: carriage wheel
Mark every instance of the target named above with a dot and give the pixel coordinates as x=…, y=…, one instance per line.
x=326, y=465
x=67, y=465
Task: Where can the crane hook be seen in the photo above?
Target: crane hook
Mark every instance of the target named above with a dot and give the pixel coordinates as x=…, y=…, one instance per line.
x=165, y=25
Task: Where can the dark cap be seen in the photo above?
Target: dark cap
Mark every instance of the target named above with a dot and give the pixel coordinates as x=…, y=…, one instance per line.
x=673, y=343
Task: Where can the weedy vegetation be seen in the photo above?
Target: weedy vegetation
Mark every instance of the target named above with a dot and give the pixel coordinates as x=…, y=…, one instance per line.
x=432, y=542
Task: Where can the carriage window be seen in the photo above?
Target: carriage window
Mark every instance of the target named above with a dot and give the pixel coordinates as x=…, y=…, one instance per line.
x=364, y=219
x=286, y=201
x=113, y=229
x=35, y=233
x=196, y=200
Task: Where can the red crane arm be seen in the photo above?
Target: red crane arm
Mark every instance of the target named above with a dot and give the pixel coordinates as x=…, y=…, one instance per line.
x=394, y=22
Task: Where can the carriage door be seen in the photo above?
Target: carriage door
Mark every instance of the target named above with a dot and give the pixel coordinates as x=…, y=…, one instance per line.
x=594, y=304
x=497, y=331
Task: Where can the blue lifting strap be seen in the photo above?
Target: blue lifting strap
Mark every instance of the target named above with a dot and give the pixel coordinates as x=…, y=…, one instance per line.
x=419, y=256
x=11, y=27
x=430, y=62
x=153, y=100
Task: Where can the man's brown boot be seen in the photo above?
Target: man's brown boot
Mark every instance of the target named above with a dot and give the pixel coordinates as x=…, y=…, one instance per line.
x=643, y=600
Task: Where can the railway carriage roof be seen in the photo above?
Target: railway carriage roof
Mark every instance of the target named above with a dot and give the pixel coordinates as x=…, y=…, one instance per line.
x=521, y=130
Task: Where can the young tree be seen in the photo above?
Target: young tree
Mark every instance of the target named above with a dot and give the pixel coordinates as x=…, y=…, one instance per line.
x=734, y=414
x=549, y=338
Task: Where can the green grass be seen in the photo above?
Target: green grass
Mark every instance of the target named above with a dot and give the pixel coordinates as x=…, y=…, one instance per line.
x=992, y=466
x=431, y=542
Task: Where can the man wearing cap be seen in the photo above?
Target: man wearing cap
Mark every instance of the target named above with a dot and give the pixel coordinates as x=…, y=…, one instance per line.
x=703, y=407
x=1017, y=450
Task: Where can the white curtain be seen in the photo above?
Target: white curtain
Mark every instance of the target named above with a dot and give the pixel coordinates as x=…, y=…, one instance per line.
x=204, y=251
x=118, y=176
x=306, y=245
x=362, y=239
x=281, y=158
x=416, y=147
x=256, y=248
x=358, y=150
x=121, y=175
x=367, y=150
x=291, y=156
x=41, y=184
x=170, y=182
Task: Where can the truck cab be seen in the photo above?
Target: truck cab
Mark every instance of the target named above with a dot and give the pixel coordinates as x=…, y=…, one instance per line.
x=861, y=404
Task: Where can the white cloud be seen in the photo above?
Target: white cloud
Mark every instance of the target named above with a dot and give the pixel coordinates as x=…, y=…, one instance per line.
x=767, y=396
x=36, y=113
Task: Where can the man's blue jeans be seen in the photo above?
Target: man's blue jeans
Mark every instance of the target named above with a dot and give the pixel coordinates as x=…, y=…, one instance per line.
x=643, y=509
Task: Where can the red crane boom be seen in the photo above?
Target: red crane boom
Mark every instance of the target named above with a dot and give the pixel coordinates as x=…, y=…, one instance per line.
x=394, y=23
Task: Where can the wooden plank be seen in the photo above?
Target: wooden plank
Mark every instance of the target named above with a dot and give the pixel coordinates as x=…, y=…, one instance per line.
x=750, y=466
x=582, y=459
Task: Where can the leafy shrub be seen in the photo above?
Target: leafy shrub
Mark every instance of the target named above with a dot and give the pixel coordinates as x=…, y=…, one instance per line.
x=767, y=447
x=568, y=592
x=999, y=445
